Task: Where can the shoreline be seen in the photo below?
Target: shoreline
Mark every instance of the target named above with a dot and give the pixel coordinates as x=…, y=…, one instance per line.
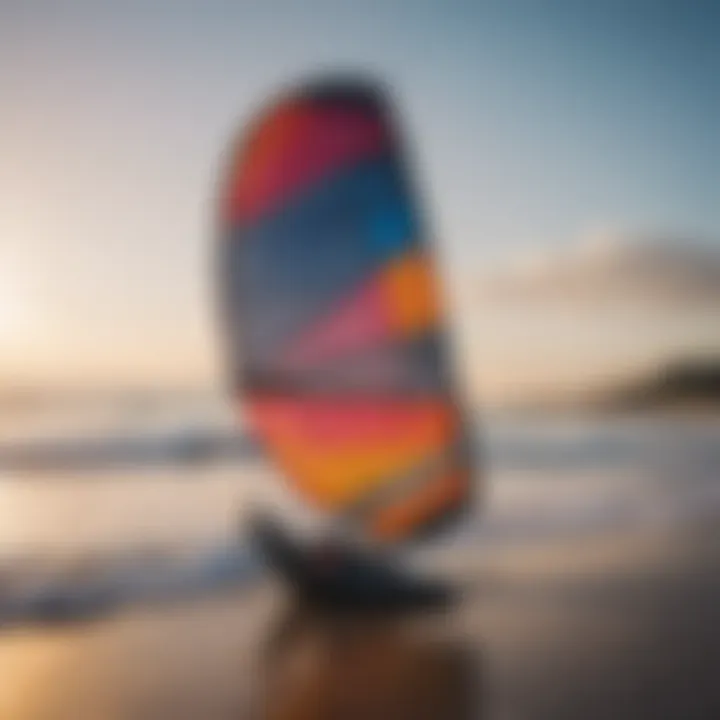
x=582, y=629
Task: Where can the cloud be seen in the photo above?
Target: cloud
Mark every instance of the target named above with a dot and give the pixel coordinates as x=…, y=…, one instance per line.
x=611, y=269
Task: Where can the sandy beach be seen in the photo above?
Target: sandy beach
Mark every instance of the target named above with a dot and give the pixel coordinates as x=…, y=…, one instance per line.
x=614, y=625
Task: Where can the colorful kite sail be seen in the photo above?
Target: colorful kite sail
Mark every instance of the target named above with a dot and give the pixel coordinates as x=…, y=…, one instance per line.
x=333, y=314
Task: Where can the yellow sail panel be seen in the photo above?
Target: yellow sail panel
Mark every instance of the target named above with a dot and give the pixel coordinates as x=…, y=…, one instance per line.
x=338, y=451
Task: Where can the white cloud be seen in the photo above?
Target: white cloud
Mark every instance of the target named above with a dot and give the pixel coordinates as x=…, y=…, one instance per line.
x=609, y=268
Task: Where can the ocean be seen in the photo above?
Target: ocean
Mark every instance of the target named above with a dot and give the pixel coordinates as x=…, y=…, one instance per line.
x=180, y=523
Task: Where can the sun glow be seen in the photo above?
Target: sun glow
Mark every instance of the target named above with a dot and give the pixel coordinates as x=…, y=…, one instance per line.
x=17, y=316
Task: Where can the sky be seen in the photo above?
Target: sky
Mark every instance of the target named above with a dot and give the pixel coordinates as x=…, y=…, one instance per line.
x=538, y=128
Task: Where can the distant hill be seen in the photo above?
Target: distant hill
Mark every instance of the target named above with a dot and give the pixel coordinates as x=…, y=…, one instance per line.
x=682, y=384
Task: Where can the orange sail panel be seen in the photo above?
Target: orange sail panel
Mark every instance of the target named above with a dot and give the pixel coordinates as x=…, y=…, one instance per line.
x=332, y=308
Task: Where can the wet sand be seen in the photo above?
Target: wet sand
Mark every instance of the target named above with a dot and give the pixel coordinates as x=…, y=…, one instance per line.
x=613, y=626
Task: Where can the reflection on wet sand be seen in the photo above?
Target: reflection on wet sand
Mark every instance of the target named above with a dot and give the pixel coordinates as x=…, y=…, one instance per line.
x=323, y=669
